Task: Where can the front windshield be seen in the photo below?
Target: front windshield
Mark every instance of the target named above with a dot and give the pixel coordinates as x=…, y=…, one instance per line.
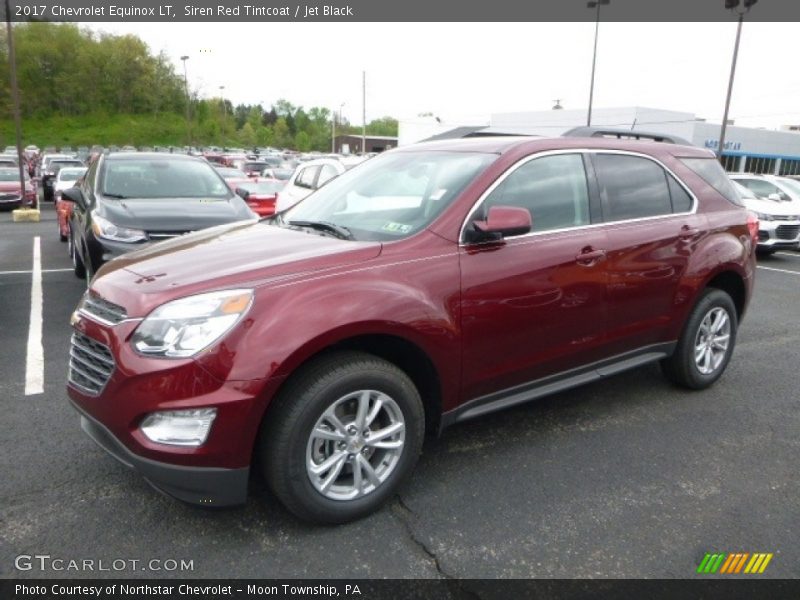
x=10, y=175
x=392, y=196
x=162, y=178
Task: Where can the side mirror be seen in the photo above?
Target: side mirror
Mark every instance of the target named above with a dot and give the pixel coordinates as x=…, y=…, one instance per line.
x=75, y=195
x=775, y=197
x=243, y=194
x=500, y=222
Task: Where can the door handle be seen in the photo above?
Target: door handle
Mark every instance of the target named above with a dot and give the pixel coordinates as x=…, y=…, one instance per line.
x=688, y=232
x=590, y=257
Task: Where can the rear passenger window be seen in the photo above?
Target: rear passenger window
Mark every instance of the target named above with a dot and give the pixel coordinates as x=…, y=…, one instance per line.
x=681, y=200
x=552, y=188
x=306, y=177
x=631, y=187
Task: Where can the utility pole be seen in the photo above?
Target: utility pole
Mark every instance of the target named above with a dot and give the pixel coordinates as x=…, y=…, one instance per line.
x=184, y=58
x=732, y=5
x=594, y=4
x=12, y=63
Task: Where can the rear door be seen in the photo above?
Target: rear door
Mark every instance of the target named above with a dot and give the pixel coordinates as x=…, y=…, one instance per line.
x=652, y=228
x=534, y=305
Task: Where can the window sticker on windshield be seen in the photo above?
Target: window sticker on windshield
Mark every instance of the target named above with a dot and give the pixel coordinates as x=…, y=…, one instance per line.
x=396, y=227
x=437, y=195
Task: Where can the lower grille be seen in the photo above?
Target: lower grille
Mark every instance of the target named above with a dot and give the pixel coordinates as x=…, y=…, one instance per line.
x=12, y=197
x=787, y=232
x=90, y=364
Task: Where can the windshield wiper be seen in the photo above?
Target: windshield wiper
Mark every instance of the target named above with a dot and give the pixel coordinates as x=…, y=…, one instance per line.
x=117, y=196
x=338, y=230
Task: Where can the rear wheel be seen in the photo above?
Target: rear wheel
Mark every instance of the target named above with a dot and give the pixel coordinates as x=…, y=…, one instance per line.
x=342, y=436
x=706, y=346
x=61, y=236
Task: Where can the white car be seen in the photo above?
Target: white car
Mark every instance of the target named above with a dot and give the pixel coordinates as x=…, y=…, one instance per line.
x=769, y=186
x=778, y=220
x=308, y=176
x=67, y=177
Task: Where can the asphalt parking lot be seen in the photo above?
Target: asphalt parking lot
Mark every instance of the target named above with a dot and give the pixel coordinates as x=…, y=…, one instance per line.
x=626, y=478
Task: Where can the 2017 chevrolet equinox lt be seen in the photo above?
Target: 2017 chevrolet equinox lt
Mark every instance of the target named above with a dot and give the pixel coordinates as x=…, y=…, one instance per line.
x=432, y=284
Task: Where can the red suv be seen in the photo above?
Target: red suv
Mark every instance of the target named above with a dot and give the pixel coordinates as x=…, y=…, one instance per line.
x=432, y=284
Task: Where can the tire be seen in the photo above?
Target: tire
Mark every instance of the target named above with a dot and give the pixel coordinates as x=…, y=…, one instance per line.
x=77, y=262
x=683, y=368
x=290, y=445
x=765, y=253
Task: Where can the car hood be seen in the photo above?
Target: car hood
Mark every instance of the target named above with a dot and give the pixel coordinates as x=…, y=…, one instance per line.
x=9, y=186
x=174, y=214
x=245, y=254
x=771, y=207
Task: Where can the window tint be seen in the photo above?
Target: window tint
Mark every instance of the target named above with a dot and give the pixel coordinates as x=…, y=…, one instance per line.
x=681, y=200
x=325, y=175
x=760, y=187
x=711, y=172
x=306, y=177
x=552, y=188
x=631, y=187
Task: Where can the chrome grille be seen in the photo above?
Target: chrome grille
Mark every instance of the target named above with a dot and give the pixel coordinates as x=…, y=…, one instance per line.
x=103, y=309
x=786, y=217
x=90, y=364
x=10, y=196
x=787, y=232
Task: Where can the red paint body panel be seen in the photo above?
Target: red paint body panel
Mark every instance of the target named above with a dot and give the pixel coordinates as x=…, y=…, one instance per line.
x=488, y=317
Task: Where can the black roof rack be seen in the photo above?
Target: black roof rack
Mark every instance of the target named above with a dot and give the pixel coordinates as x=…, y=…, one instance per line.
x=625, y=134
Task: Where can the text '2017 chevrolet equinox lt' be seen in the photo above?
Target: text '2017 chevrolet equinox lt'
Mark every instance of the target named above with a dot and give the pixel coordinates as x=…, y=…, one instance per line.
x=431, y=284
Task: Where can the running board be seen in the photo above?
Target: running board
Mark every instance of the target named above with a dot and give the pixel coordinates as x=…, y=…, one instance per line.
x=557, y=383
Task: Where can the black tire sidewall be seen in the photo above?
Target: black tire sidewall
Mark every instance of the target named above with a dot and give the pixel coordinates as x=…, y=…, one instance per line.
x=306, y=501
x=712, y=299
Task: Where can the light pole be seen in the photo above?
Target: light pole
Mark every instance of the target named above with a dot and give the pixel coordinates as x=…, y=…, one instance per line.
x=333, y=130
x=594, y=4
x=12, y=63
x=184, y=58
x=224, y=113
x=732, y=5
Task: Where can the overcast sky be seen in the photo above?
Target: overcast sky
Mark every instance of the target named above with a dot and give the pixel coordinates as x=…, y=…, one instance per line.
x=466, y=71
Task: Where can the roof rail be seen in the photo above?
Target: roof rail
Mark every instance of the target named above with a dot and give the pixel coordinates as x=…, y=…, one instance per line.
x=625, y=134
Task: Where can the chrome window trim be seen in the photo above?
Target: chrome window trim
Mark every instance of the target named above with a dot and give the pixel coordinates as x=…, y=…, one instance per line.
x=97, y=319
x=462, y=243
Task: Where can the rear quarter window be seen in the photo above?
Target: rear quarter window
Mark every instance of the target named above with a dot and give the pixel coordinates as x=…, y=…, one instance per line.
x=711, y=172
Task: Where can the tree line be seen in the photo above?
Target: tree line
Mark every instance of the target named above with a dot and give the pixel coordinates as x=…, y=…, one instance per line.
x=69, y=76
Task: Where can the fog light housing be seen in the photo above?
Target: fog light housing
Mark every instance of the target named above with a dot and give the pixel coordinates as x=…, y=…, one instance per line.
x=179, y=427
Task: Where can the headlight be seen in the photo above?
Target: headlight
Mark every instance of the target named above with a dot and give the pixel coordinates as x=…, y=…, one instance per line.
x=179, y=427
x=764, y=217
x=186, y=326
x=106, y=229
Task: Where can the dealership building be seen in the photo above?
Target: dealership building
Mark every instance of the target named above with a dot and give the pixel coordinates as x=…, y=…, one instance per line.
x=747, y=149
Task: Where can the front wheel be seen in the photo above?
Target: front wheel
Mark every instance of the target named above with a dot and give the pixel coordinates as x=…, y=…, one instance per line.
x=342, y=436
x=706, y=346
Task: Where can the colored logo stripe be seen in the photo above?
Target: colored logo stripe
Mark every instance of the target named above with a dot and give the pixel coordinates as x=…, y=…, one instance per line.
x=734, y=562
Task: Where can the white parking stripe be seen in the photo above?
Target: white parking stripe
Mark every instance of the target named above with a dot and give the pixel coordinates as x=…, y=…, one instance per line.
x=787, y=254
x=34, y=361
x=30, y=271
x=779, y=270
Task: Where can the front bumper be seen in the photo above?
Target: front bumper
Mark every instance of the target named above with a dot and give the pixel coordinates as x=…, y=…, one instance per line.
x=778, y=235
x=204, y=486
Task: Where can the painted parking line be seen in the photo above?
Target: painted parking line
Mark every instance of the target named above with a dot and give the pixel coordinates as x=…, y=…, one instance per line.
x=779, y=270
x=29, y=271
x=34, y=360
x=787, y=254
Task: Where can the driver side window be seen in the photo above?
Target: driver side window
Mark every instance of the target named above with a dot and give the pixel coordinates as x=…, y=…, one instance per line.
x=553, y=188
